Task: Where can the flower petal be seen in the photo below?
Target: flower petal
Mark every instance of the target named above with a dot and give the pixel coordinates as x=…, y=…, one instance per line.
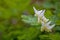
x=52, y=26
x=42, y=13
x=35, y=10
x=45, y=19
x=48, y=22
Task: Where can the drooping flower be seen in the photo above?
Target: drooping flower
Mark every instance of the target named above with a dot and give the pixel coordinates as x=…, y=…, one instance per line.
x=46, y=26
x=40, y=15
x=37, y=12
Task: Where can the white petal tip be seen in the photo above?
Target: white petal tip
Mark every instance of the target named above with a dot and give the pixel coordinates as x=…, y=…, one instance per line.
x=52, y=26
x=34, y=8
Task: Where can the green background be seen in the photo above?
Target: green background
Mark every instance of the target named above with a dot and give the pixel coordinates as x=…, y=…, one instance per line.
x=17, y=20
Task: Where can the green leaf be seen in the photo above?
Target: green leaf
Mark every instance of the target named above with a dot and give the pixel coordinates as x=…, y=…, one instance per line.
x=30, y=19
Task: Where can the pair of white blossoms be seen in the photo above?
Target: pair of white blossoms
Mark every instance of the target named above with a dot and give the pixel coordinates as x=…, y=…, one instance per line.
x=43, y=20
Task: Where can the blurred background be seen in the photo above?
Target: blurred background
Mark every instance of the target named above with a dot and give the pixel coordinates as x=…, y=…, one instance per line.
x=17, y=20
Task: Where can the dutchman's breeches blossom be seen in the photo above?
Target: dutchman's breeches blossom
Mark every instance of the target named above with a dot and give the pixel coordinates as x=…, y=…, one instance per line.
x=43, y=20
x=46, y=26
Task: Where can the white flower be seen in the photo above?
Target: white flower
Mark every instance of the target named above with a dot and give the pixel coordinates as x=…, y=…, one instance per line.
x=40, y=15
x=46, y=26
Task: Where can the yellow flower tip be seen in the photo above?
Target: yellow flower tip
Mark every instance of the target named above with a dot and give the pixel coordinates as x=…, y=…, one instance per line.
x=48, y=30
x=45, y=29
